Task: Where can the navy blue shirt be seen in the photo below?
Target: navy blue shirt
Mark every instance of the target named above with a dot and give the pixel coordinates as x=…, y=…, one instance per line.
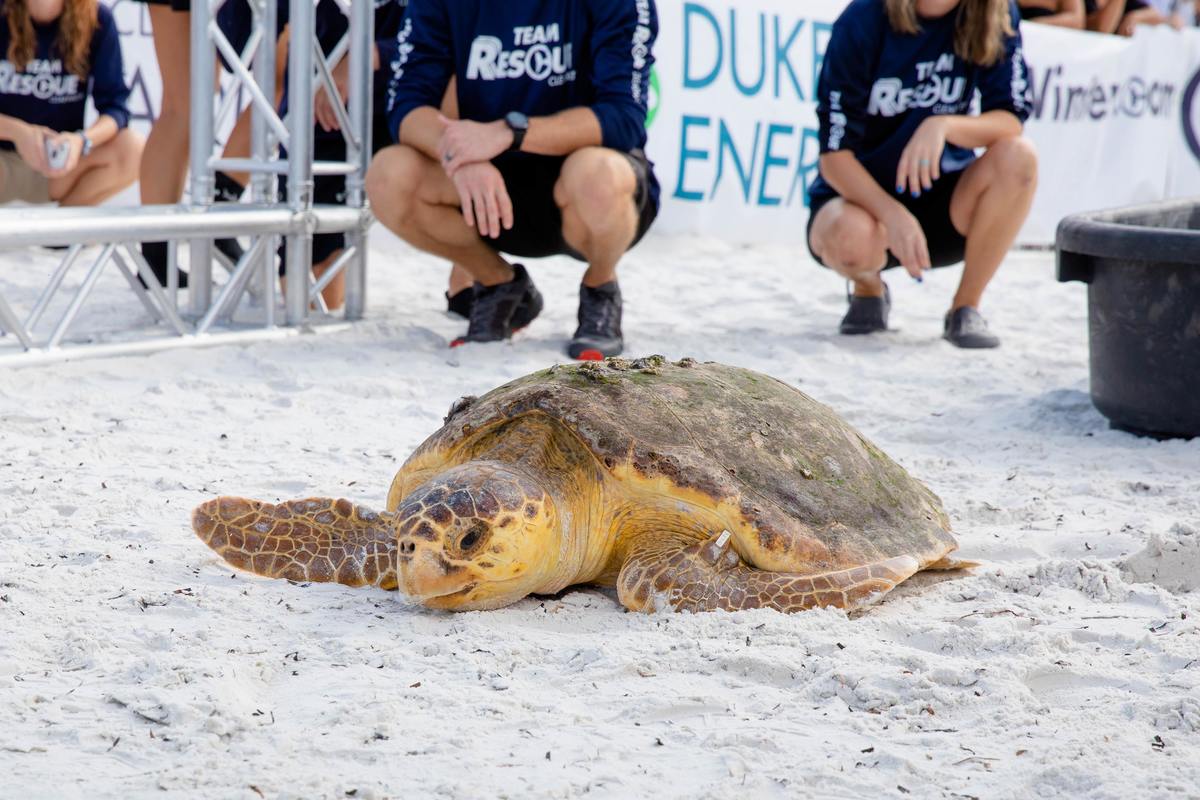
x=47, y=93
x=539, y=57
x=877, y=86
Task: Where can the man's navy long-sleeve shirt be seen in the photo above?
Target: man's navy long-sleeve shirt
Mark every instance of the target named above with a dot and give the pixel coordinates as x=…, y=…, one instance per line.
x=538, y=57
x=46, y=93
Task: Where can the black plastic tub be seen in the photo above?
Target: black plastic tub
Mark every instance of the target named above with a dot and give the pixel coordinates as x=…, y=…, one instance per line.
x=1142, y=268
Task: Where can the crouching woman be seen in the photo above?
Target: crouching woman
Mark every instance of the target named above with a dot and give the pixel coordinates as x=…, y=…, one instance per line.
x=900, y=183
x=54, y=54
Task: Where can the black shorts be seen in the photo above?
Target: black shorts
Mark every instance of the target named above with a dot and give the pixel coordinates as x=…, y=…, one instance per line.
x=330, y=190
x=932, y=209
x=176, y=5
x=537, y=219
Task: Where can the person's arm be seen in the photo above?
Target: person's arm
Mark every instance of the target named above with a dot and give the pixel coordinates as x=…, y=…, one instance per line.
x=1069, y=15
x=1107, y=17
x=29, y=141
x=422, y=68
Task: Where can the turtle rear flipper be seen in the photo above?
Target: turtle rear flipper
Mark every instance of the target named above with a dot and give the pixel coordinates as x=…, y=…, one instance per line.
x=711, y=576
x=318, y=539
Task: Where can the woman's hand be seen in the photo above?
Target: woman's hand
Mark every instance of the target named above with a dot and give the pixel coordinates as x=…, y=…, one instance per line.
x=906, y=240
x=323, y=109
x=920, y=163
x=30, y=141
x=74, y=144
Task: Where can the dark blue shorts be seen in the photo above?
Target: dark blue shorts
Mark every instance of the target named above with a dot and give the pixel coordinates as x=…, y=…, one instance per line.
x=932, y=209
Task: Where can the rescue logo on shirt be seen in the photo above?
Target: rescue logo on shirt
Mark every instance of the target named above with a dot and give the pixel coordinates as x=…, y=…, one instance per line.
x=42, y=79
x=945, y=94
x=536, y=54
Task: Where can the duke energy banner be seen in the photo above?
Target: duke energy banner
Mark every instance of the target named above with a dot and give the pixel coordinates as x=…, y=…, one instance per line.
x=733, y=114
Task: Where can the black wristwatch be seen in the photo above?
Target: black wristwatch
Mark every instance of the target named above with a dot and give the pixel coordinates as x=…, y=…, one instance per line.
x=518, y=123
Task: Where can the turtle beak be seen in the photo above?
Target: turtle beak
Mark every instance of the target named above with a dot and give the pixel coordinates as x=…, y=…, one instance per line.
x=425, y=575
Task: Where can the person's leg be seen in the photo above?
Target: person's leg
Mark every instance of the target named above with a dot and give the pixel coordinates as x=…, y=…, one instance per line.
x=335, y=293
x=414, y=198
x=110, y=168
x=989, y=207
x=852, y=243
x=165, y=158
x=596, y=193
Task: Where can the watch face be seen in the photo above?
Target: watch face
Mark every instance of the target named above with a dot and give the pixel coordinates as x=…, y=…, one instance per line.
x=517, y=121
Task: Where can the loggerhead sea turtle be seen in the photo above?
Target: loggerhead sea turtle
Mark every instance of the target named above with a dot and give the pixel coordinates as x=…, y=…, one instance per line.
x=686, y=485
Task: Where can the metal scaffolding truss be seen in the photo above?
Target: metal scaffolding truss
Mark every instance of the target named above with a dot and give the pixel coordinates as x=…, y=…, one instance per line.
x=281, y=146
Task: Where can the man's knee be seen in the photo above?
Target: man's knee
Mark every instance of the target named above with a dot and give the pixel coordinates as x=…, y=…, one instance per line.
x=851, y=243
x=596, y=182
x=1015, y=161
x=391, y=182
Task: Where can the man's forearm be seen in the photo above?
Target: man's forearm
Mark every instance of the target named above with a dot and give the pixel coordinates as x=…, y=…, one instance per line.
x=563, y=133
x=422, y=130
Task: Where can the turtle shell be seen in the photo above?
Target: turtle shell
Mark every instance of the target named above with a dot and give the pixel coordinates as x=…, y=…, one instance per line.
x=810, y=488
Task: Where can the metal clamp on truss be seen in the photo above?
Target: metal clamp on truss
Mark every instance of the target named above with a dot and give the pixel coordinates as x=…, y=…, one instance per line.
x=279, y=146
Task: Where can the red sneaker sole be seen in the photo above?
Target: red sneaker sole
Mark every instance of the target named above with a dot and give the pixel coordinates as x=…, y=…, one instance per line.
x=590, y=355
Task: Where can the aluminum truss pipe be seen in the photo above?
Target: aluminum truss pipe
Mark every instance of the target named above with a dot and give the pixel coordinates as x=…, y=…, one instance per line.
x=30, y=227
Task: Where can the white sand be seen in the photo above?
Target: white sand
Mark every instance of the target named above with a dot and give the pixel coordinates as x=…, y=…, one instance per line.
x=132, y=661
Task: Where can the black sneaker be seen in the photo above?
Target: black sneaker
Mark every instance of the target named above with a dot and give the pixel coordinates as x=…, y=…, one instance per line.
x=966, y=327
x=155, y=254
x=227, y=190
x=867, y=314
x=460, y=302
x=494, y=310
x=530, y=306
x=599, y=333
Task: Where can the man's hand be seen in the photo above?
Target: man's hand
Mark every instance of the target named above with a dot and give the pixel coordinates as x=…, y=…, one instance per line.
x=323, y=110
x=30, y=142
x=920, y=163
x=906, y=240
x=485, y=202
x=74, y=144
x=465, y=142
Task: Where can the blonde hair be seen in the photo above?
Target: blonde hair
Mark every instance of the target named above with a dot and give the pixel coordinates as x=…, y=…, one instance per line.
x=76, y=26
x=981, y=27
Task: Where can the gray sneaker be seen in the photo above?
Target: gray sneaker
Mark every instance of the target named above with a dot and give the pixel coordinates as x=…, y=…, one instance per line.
x=965, y=327
x=866, y=314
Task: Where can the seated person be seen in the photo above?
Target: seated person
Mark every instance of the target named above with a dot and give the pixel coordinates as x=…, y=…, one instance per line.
x=547, y=158
x=1122, y=16
x=1064, y=13
x=899, y=183
x=56, y=54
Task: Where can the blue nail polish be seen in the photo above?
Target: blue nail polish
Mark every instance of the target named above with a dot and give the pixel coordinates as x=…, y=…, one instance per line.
x=918, y=279
x=899, y=190
x=915, y=193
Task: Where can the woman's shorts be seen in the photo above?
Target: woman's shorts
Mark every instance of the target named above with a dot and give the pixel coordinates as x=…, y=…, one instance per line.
x=176, y=5
x=932, y=210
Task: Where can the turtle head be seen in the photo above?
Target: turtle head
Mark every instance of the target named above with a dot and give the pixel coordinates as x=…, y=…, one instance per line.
x=481, y=535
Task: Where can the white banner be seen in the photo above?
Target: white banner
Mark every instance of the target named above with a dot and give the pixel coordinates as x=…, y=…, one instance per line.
x=733, y=119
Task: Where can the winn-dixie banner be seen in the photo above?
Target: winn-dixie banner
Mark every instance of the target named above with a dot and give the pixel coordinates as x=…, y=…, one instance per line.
x=733, y=119
x=733, y=134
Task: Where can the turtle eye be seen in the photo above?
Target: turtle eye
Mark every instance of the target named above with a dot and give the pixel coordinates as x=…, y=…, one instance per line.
x=471, y=537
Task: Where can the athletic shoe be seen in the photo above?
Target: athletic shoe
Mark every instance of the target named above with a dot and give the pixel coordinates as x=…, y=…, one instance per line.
x=155, y=254
x=599, y=333
x=866, y=314
x=494, y=309
x=460, y=302
x=227, y=190
x=966, y=327
x=530, y=306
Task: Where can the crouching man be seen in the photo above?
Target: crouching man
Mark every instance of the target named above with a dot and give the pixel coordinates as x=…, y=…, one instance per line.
x=546, y=159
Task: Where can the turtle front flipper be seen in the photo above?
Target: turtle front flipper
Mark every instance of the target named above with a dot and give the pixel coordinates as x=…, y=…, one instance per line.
x=318, y=539
x=710, y=576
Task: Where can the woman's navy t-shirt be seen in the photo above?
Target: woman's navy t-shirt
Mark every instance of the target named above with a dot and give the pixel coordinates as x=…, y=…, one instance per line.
x=47, y=93
x=877, y=86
